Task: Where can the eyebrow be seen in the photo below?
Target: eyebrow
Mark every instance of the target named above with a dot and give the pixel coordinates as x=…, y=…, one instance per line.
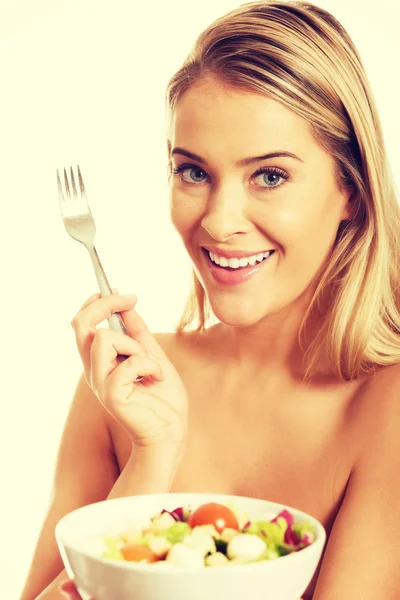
x=240, y=163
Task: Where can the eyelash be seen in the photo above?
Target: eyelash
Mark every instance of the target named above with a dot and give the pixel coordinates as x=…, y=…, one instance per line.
x=274, y=170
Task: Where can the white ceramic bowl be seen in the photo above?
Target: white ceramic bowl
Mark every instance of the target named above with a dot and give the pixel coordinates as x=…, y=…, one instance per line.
x=80, y=536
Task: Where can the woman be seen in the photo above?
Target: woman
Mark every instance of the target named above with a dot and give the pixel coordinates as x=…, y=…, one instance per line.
x=282, y=194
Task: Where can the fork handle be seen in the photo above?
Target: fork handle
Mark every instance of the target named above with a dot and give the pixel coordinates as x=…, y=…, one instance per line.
x=115, y=320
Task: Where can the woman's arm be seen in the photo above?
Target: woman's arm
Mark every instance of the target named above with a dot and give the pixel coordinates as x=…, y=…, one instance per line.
x=362, y=556
x=153, y=413
x=86, y=472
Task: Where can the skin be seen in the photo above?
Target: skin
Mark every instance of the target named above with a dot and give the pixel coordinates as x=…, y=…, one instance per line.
x=69, y=590
x=228, y=207
x=233, y=414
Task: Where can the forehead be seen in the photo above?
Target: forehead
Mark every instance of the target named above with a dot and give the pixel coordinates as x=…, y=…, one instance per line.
x=212, y=114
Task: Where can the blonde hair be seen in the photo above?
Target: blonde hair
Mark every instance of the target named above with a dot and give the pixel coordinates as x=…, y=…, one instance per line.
x=301, y=56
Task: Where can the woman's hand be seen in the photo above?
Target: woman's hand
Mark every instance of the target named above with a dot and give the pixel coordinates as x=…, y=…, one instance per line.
x=68, y=589
x=154, y=410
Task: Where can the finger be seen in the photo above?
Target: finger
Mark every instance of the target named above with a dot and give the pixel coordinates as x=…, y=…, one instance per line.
x=68, y=589
x=103, y=353
x=137, y=329
x=107, y=307
x=84, y=323
x=92, y=298
x=120, y=383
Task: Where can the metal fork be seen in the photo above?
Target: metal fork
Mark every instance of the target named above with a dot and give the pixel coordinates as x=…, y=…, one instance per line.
x=79, y=223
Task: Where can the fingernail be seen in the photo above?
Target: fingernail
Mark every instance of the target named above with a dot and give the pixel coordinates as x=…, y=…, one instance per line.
x=130, y=297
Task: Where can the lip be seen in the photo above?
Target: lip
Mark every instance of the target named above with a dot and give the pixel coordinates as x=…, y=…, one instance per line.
x=227, y=277
x=235, y=253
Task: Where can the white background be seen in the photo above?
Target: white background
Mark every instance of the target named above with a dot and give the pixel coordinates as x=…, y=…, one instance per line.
x=83, y=81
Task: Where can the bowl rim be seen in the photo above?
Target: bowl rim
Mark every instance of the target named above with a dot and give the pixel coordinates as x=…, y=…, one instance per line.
x=148, y=568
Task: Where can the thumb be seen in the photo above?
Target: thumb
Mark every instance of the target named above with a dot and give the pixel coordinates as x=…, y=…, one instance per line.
x=138, y=330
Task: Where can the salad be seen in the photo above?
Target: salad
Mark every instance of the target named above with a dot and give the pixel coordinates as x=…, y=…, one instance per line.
x=212, y=535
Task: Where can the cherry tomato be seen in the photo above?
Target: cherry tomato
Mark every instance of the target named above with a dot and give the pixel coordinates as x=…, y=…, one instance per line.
x=214, y=514
x=138, y=552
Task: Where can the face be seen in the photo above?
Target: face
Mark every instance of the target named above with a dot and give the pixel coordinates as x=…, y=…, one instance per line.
x=269, y=221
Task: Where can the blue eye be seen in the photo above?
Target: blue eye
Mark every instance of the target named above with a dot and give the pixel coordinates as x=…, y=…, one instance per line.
x=196, y=174
x=270, y=176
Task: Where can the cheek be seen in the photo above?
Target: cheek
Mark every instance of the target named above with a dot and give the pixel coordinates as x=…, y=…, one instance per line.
x=285, y=227
x=305, y=231
x=185, y=212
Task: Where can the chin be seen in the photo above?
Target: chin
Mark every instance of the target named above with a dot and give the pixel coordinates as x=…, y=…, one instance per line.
x=238, y=316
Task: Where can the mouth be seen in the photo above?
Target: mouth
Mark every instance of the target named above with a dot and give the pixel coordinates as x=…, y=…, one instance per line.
x=234, y=270
x=237, y=263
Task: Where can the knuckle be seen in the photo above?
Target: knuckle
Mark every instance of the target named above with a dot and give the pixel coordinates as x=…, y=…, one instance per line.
x=110, y=300
x=137, y=349
x=133, y=360
x=100, y=335
x=78, y=324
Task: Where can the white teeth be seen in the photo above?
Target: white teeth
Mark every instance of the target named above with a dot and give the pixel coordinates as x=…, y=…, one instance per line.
x=235, y=263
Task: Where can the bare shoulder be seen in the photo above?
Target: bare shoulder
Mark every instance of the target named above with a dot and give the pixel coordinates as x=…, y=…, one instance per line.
x=381, y=413
x=187, y=346
x=389, y=376
x=383, y=387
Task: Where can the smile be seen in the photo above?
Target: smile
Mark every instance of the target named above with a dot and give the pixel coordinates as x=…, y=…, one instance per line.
x=237, y=263
x=234, y=270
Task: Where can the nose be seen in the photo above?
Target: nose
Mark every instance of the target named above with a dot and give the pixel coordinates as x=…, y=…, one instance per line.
x=225, y=215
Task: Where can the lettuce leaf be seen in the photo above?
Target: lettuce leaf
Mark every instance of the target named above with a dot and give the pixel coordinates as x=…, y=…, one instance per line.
x=112, y=549
x=176, y=532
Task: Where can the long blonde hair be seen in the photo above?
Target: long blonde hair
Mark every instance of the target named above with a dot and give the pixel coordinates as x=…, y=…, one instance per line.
x=301, y=56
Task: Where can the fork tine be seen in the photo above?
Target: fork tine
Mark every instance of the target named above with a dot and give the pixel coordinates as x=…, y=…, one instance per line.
x=82, y=187
x=60, y=192
x=73, y=184
x=67, y=185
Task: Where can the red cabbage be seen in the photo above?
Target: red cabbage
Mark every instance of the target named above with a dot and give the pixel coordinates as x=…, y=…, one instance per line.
x=179, y=514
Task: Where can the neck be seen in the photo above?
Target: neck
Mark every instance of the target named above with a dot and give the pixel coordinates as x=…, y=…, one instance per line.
x=271, y=346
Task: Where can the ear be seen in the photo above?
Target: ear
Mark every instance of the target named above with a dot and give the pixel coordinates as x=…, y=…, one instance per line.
x=349, y=195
